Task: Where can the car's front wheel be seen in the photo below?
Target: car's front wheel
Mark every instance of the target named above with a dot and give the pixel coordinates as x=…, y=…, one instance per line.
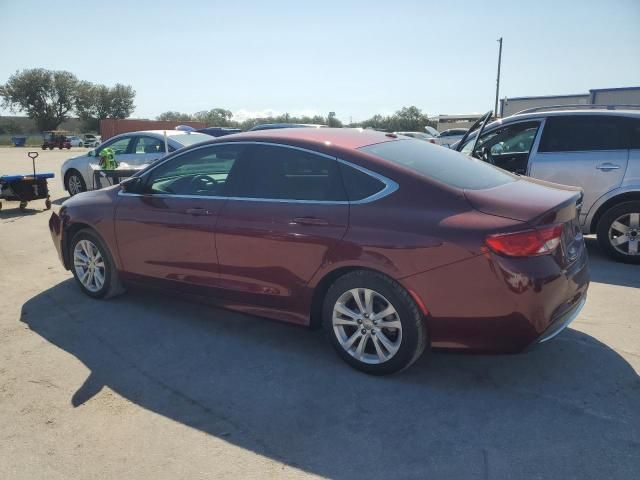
x=619, y=232
x=74, y=183
x=92, y=266
x=373, y=323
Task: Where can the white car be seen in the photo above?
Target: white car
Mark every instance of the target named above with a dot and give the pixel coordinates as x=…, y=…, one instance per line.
x=75, y=141
x=451, y=136
x=135, y=149
x=91, y=140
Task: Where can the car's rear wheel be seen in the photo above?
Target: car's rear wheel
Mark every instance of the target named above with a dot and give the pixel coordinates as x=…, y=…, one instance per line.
x=93, y=267
x=373, y=323
x=74, y=183
x=619, y=232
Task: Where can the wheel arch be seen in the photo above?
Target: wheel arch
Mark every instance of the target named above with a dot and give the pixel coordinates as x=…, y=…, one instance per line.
x=322, y=287
x=623, y=197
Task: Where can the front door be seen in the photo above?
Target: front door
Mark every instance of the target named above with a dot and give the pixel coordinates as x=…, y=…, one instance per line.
x=166, y=230
x=286, y=211
x=588, y=151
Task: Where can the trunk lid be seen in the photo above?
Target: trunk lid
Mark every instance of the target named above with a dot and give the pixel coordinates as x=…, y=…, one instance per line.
x=538, y=203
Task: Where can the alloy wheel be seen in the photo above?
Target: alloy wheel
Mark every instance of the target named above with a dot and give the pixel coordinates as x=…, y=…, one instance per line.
x=89, y=265
x=74, y=184
x=367, y=325
x=624, y=234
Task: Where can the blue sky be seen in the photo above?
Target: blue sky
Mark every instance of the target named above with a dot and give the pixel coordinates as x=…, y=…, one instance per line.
x=356, y=58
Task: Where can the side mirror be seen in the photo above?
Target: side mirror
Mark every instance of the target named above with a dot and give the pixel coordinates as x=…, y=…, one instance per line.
x=131, y=184
x=91, y=153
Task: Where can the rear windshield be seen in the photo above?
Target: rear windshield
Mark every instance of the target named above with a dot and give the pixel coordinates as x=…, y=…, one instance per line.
x=442, y=164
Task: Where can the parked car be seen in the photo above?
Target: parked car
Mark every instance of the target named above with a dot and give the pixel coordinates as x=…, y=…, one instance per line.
x=419, y=135
x=272, y=126
x=75, y=141
x=219, y=131
x=597, y=149
x=395, y=245
x=91, y=141
x=133, y=148
x=451, y=136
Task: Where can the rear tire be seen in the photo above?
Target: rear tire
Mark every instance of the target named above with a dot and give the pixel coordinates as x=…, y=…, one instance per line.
x=74, y=183
x=93, y=267
x=359, y=335
x=619, y=232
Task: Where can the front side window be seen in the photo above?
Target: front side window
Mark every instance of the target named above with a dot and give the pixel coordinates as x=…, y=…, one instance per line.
x=119, y=146
x=149, y=145
x=282, y=173
x=508, y=139
x=202, y=172
x=575, y=133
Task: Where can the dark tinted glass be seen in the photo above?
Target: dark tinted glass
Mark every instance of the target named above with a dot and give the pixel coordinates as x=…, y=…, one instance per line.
x=359, y=185
x=441, y=164
x=635, y=133
x=283, y=173
x=575, y=133
x=199, y=172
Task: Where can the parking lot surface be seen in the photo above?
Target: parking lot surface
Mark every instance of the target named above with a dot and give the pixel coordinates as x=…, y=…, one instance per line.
x=149, y=386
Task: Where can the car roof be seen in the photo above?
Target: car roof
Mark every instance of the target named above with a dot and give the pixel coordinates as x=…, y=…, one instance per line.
x=349, y=138
x=595, y=111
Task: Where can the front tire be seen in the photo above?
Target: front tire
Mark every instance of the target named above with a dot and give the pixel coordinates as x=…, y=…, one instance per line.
x=619, y=232
x=93, y=267
x=373, y=323
x=74, y=183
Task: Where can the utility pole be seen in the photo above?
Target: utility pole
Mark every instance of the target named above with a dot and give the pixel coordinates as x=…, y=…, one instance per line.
x=495, y=110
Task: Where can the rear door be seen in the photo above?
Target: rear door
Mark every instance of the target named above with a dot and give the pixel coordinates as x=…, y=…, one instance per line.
x=588, y=151
x=287, y=210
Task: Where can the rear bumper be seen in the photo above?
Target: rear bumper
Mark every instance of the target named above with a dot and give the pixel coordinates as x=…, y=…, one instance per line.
x=493, y=304
x=563, y=320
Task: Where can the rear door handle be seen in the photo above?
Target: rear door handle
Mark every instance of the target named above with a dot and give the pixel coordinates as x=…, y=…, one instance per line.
x=309, y=221
x=198, y=211
x=605, y=167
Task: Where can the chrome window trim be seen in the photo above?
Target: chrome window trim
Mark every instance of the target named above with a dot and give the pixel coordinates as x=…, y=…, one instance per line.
x=389, y=185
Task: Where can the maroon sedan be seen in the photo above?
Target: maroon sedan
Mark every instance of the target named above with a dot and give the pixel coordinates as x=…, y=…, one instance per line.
x=393, y=244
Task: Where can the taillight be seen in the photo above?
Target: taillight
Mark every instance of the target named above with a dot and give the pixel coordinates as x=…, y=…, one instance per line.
x=526, y=243
x=431, y=140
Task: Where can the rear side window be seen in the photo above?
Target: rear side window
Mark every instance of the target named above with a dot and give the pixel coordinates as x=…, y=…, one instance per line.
x=441, y=164
x=635, y=133
x=359, y=185
x=575, y=133
x=282, y=173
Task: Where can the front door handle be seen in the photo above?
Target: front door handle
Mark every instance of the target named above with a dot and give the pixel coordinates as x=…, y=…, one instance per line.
x=606, y=167
x=309, y=221
x=198, y=211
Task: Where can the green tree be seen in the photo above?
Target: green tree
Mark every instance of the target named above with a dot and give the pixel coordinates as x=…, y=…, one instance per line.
x=45, y=96
x=94, y=102
x=216, y=117
x=174, y=117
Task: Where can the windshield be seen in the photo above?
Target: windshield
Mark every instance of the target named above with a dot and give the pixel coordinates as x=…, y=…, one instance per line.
x=441, y=164
x=190, y=138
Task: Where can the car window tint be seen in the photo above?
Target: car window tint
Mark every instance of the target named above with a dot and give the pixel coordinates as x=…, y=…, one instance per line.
x=635, y=133
x=441, y=164
x=575, y=133
x=282, y=173
x=119, y=146
x=358, y=184
x=149, y=145
x=198, y=172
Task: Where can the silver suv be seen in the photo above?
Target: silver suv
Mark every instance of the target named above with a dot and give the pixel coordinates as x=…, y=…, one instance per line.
x=593, y=147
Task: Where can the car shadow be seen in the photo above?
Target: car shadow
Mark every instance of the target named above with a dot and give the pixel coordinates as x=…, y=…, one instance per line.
x=16, y=212
x=606, y=270
x=568, y=409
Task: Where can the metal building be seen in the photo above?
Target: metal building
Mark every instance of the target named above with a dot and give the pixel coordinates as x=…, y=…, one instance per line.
x=599, y=96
